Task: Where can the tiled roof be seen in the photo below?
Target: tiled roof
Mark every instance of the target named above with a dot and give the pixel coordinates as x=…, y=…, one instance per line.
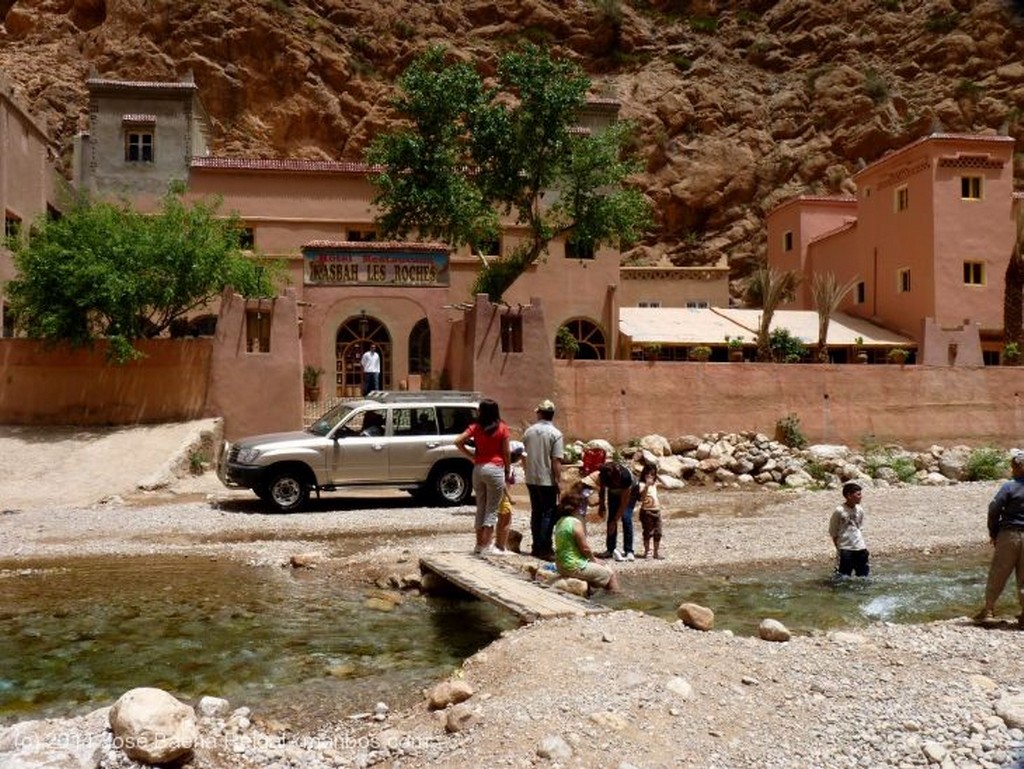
x=830, y=199
x=849, y=224
x=270, y=164
x=99, y=82
x=377, y=245
x=941, y=137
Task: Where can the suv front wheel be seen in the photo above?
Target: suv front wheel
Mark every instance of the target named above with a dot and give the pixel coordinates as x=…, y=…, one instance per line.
x=288, y=491
x=451, y=483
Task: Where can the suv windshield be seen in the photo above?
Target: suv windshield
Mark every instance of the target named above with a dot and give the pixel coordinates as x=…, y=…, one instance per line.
x=330, y=420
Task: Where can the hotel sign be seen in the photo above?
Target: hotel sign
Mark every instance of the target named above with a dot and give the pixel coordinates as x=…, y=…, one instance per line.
x=399, y=268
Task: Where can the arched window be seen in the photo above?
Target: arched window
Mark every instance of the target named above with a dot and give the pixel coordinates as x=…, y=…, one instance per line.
x=588, y=335
x=354, y=337
x=419, y=348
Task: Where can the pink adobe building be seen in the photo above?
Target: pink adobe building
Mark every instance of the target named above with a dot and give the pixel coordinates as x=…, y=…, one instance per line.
x=313, y=214
x=926, y=239
x=27, y=180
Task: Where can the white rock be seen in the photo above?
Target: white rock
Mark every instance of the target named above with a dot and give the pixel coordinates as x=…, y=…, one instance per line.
x=211, y=707
x=773, y=630
x=153, y=726
x=680, y=687
x=555, y=748
x=1010, y=708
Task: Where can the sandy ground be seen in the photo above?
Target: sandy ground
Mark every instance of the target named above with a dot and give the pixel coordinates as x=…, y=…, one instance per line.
x=616, y=690
x=44, y=467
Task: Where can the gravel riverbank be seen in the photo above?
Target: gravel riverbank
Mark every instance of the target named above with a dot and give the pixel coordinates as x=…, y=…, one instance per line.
x=616, y=690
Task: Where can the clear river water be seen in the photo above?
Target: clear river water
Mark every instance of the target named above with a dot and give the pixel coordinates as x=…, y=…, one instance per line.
x=294, y=645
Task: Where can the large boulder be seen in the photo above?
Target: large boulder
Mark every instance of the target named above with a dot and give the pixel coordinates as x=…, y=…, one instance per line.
x=152, y=726
x=656, y=444
x=696, y=616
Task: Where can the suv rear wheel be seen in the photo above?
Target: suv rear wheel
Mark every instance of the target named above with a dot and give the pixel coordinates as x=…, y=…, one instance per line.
x=288, y=491
x=451, y=483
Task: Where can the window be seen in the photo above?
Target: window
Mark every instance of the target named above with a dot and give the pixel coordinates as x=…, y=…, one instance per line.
x=787, y=240
x=697, y=304
x=257, y=330
x=861, y=292
x=648, y=304
x=247, y=239
x=511, y=333
x=903, y=281
x=362, y=236
x=419, y=420
x=902, y=198
x=970, y=187
x=12, y=226
x=454, y=419
x=486, y=246
x=974, y=273
x=578, y=250
x=138, y=146
x=589, y=337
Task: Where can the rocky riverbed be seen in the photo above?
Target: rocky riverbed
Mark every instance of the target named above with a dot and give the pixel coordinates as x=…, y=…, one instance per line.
x=618, y=690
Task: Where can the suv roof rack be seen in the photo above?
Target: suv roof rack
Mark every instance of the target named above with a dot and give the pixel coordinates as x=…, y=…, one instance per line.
x=407, y=396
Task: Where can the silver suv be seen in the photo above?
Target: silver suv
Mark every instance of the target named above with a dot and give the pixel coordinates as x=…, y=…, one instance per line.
x=388, y=440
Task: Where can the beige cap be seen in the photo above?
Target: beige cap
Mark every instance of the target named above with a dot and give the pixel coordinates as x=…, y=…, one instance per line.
x=546, y=405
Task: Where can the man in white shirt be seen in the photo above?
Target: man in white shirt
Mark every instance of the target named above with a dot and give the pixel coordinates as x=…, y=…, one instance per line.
x=544, y=451
x=371, y=369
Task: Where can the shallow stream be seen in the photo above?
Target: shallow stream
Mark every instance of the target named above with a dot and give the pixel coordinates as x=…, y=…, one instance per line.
x=295, y=646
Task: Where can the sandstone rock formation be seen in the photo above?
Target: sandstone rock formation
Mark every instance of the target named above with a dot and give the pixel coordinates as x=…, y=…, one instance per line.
x=738, y=104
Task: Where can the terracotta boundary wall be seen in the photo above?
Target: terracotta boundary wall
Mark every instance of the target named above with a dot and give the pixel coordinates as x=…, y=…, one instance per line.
x=60, y=385
x=915, y=406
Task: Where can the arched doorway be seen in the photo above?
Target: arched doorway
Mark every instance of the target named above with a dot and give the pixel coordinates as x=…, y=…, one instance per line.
x=588, y=335
x=354, y=337
x=419, y=351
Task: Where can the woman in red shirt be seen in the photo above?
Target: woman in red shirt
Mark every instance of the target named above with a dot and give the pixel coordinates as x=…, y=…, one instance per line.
x=492, y=470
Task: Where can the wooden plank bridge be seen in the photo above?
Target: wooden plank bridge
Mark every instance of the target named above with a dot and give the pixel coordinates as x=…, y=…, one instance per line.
x=502, y=585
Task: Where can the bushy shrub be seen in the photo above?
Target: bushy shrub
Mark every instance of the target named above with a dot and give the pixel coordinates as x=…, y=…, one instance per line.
x=986, y=464
x=788, y=432
x=786, y=348
x=904, y=468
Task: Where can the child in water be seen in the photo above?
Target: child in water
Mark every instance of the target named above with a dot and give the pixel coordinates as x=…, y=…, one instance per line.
x=845, y=529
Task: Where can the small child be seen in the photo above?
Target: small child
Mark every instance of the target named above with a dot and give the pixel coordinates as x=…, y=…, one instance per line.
x=650, y=510
x=845, y=529
x=516, y=452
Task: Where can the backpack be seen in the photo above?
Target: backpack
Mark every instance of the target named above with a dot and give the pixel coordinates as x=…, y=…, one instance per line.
x=592, y=460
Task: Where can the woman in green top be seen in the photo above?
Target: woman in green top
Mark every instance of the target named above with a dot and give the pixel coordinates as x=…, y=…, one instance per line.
x=573, y=555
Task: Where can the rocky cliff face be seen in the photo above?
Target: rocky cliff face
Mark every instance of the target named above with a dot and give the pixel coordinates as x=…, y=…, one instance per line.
x=739, y=105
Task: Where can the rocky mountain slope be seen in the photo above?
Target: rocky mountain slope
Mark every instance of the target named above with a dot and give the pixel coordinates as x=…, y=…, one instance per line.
x=739, y=104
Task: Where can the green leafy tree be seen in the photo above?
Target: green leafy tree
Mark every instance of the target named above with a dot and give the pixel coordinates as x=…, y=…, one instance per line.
x=767, y=288
x=468, y=154
x=1013, y=291
x=107, y=270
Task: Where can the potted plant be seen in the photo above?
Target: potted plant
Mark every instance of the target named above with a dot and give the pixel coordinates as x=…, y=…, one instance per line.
x=1011, y=354
x=898, y=355
x=566, y=345
x=700, y=353
x=311, y=382
x=735, y=345
x=652, y=351
x=861, y=353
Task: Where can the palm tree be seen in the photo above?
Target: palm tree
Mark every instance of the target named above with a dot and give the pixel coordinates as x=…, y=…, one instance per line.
x=768, y=288
x=1013, y=298
x=828, y=294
